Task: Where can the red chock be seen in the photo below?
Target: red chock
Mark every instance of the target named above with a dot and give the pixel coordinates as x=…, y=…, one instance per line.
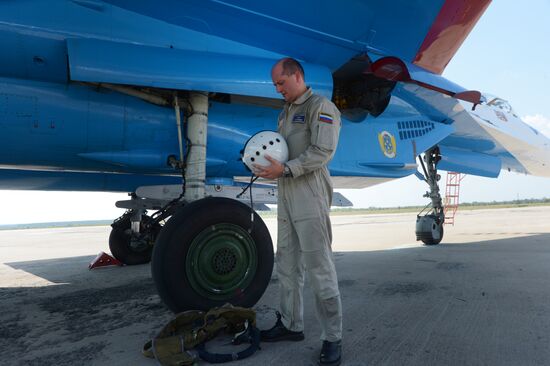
x=103, y=259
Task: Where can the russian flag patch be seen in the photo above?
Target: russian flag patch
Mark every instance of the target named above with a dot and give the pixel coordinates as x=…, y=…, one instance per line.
x=325, y=117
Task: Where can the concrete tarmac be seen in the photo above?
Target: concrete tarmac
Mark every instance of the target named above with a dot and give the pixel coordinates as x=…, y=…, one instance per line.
x=482, y=297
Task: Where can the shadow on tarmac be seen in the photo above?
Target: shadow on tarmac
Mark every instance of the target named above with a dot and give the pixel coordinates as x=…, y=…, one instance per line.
x=483, y=303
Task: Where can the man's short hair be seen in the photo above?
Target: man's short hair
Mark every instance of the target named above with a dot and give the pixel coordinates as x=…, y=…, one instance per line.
x=291, y=67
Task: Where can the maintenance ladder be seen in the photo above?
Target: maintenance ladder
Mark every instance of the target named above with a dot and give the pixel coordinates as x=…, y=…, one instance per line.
x=452, y=195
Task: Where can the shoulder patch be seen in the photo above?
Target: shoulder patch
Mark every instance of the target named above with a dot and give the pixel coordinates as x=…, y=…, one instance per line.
x=325, y=117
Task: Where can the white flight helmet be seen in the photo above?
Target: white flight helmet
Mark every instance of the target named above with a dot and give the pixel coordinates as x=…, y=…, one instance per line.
x=264, y=142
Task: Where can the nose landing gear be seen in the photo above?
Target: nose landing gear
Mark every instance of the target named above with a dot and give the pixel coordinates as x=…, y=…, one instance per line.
x=429, y=226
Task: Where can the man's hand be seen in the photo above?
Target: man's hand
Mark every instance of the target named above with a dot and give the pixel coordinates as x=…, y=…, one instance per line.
x=273, y=171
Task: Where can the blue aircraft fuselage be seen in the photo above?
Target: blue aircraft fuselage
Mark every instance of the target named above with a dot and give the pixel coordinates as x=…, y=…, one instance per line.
x=54, y=127
x=63, y=130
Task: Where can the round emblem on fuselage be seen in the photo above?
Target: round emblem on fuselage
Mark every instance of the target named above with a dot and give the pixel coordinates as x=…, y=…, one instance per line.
x=387, y=144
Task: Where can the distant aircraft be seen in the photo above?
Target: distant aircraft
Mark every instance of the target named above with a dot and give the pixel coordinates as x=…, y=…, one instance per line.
x=159, y=99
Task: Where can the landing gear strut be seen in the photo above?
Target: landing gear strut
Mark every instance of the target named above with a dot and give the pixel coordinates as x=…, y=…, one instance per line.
x=212, y=250
x=429, y=227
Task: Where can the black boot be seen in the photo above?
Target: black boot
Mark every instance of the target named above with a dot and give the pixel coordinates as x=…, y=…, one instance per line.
x=280, y=333
x=331, y=353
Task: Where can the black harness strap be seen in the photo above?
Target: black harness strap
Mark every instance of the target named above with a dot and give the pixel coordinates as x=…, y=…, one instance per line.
x=252, y=335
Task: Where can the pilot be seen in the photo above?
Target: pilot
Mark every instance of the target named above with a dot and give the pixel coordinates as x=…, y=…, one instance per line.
x=310, y=123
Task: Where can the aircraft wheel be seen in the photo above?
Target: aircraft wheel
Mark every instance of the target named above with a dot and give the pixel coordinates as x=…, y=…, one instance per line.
x=208, y=254
x=131, y=249
x=429, y=229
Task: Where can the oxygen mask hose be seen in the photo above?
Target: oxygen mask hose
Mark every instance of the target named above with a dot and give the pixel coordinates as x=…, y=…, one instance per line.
x=253, y=178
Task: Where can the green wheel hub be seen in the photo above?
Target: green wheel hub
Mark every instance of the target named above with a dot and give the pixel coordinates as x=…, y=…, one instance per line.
x=221, y=261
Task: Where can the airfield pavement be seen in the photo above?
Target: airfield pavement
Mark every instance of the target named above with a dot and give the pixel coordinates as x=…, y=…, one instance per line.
x=480, y=298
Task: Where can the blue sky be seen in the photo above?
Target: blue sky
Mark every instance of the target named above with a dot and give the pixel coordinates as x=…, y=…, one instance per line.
x=507, y=55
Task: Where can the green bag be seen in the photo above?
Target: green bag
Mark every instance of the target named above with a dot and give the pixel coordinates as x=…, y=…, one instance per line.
x=192, y=329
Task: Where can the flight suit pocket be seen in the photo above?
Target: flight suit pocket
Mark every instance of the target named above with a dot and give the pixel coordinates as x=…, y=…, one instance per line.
x=310, y=233
x=298, y=139
x=305, y=199
x=312, y=186
x=327, y=136
x=283, y=232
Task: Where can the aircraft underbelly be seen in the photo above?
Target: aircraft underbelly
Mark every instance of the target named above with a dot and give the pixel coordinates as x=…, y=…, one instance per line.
x=96, y=130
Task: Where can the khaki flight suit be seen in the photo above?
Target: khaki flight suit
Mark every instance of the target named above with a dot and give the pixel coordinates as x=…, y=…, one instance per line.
x=311, y=126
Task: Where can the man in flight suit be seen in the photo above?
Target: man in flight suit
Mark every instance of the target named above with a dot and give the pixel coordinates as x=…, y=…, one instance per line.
x=310, y=123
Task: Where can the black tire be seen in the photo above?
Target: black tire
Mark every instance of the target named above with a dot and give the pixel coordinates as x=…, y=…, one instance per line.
x=208, y=254
x=120, y=242
x=427, y=228
x=431, y=240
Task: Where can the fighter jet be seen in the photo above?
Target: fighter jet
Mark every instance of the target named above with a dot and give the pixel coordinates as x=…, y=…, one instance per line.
x=158, y=100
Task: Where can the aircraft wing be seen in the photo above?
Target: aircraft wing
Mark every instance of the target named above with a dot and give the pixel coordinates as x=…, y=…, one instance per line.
x=330, y=32
x=246, y=36
x=93, y=60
